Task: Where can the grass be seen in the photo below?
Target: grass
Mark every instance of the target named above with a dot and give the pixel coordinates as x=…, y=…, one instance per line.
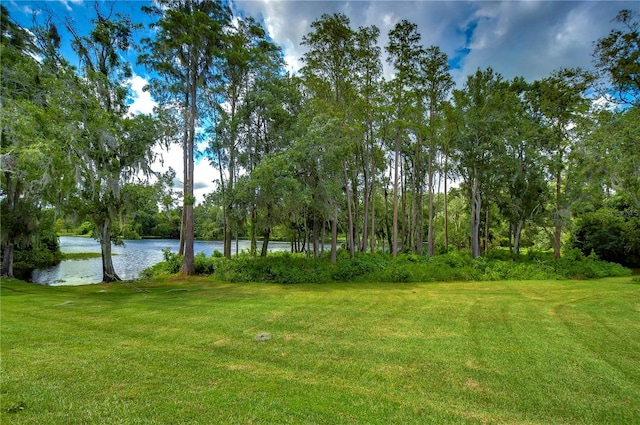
x=183, y=351
x=80, y=255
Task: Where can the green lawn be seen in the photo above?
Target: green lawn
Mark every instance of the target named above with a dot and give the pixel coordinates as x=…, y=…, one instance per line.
x=183, y=352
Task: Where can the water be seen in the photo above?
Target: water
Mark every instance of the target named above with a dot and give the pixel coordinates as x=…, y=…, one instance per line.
x=129, y=261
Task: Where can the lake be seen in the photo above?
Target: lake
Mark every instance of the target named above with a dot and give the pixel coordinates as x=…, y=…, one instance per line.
x=129, y=260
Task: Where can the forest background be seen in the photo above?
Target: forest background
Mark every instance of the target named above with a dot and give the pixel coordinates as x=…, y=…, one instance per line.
x=350, y=149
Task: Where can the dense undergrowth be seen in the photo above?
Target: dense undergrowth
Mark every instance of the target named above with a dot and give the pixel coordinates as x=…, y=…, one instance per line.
x=285, y=267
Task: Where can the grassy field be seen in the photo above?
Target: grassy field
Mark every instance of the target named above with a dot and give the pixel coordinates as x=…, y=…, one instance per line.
x=184, y=352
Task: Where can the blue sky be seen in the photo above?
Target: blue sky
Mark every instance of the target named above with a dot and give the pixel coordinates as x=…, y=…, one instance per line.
x=516, y=38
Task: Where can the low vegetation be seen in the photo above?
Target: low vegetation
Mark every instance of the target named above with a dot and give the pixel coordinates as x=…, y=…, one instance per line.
x=285, y=267
x=185, y=351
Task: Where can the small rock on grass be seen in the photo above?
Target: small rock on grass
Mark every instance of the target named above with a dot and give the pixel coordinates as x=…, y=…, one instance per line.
x=264, y=336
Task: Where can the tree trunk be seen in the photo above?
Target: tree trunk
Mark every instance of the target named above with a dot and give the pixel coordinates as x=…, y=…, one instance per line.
x=253, y=249
x=430, y=236
x=373, y=215
x=265, y=242
x=396, y=176
x=446, y=208
x=516, y=237
x=334, y=240
x=557, y=233
x=7, y=260
x=365, y=209
x=108, y=271
x=188, y=267
x=476, y=206
x=350, y=236
x=486, y=230
x=185, y=167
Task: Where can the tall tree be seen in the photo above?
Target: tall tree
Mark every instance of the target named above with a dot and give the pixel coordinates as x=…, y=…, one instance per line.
x=560, y=102
x=436, y=83
x=479, y=106
x=523, y=187
x=29, y=152
x=368, y=104
x=404, y=55
x=185, y=53
x=328, y=75
x=249, y=60
x=109, y=148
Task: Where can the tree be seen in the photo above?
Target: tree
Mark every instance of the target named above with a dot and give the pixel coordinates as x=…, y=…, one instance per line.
x=30, y=158
x=404, y=54
x=559, y=102
x=612, y=232
x=610, y=152
x=369, y=100
x=435, y=84
x=107, y=147
x=328, y=75
x=250, y=62
x=270, y=113
x=617, y=59
x=523, y=188
x=185, y=53
x=478, y=140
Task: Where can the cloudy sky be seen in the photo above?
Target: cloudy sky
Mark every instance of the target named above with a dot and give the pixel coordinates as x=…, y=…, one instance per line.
x=516, y=38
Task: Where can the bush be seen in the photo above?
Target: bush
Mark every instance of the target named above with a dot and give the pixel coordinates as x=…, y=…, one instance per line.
x=170, y=265
x=284, y=267
x=612, y=233
x=202, y=264
x=86, y=229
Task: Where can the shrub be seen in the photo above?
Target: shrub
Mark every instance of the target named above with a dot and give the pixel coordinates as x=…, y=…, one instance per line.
x=285, y=267
x=202, y=264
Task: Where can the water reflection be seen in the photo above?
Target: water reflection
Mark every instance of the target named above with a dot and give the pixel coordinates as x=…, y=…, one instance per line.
x=130, y=259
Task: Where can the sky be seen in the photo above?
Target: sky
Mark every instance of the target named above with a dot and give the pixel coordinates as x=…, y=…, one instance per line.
x=516, y=38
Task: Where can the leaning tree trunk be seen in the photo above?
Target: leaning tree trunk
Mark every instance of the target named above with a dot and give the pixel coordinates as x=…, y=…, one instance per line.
x=7, y=260
x=108, y=271
x=516, y=237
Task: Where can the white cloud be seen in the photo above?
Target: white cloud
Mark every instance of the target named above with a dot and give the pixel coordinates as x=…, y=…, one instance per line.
x=143, y=103
x=66, y=4
x=204, y=173
x=515, y=38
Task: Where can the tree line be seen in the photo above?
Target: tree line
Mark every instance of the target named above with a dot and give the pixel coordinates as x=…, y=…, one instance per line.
x=336, y=150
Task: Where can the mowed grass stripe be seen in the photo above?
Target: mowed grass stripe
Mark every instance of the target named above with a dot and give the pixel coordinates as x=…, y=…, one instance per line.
x=183, y=351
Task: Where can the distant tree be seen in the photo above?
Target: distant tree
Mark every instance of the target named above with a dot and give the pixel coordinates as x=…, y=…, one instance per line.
x=611, y=152
x=617, y=59
x=612, y=232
